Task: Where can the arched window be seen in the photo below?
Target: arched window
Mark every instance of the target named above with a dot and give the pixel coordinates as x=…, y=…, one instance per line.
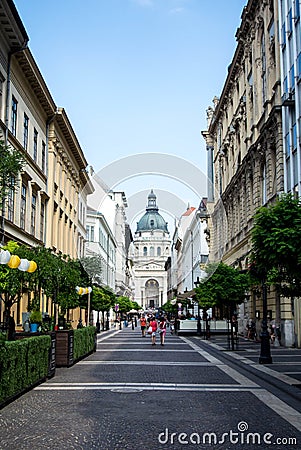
x=158, y=251
x=144, y=251
x=263, y=64
x=151, y=251
x=263, y=185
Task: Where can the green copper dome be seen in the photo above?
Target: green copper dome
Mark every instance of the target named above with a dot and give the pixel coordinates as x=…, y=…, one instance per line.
x=152, y=220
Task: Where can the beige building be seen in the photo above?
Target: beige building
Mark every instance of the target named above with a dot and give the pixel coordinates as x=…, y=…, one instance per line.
x=48, y=206
x=245, y=152
x=68, y=188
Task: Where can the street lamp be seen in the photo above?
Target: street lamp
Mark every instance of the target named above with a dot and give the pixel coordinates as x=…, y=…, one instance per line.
x=199, y=328
x=83, y=291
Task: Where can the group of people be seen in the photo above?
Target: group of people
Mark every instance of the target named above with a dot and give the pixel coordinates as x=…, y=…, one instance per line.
x=151, y=326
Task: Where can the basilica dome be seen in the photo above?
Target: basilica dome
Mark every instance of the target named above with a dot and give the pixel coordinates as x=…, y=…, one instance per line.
x=151, y=220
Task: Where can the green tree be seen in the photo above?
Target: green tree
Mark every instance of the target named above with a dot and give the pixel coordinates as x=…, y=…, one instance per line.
x=224, y=287
x=11, y=281
x=125, y=304
x=168, y=307
x=135, y=305
x=276, y=243
x=101, y=302
x=11, y=163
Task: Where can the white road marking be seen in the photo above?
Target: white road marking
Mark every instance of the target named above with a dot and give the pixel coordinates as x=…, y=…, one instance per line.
x=144, y=386
x=152, y=349
x=148, y=363
x=282, y=409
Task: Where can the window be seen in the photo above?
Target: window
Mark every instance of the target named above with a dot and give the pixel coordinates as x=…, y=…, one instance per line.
x=42, y=221
x=295, y=168
x=43, y=156
x=11, y=201
x=263, y=185
x=1, y=90
x=33, y=214
x=151, y=251
x=263, y=60
x=25, y=132
x=297, y=10
x=290, y=21
x=144, y=251
x=35, y=145
x=14, y=108
x=23, y=207
x=158, y=251
x=90, y=233
x=288, y=175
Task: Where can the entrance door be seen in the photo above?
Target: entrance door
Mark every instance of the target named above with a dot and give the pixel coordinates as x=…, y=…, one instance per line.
x=152, y=293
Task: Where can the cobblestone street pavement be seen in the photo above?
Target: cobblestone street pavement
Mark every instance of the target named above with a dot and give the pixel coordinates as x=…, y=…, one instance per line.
x=131, y=395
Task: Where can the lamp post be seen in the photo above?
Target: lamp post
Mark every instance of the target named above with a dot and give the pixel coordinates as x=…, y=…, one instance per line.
x=83, y=291
x=265, y=349
x=199, y=328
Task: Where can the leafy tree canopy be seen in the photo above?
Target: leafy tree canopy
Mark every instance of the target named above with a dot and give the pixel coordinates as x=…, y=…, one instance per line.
x=11, y=163
x=135, y=305
x=276, y=243
x=223, y=286
x=169, y=307
x=101, y=301
x=125, y=304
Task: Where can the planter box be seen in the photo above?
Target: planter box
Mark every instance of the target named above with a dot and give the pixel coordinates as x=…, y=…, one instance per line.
x=52, y=356
x=64, y=348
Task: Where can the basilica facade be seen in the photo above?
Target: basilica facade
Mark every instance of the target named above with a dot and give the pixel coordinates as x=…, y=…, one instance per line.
x=151, y=249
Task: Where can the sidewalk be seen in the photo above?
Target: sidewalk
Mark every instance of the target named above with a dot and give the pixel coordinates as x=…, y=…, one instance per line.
x=286, y=362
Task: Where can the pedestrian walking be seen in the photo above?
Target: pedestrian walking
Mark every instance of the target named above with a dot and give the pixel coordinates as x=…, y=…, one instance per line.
x=162, y=330
x=154, y=325
x=143, y=325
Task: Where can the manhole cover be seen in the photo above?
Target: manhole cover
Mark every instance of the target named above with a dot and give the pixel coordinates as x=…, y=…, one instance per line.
x=126, y=390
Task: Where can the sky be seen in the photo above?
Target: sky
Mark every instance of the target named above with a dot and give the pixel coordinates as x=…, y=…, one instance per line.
x=136, y=77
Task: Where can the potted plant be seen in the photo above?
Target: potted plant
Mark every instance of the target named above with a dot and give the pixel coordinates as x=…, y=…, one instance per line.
x=35, y=319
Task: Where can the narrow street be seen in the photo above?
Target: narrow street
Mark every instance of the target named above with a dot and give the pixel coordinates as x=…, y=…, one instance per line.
x=190, y=393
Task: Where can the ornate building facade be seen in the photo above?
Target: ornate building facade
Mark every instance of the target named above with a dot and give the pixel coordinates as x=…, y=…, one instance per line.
x=48, y=205
x=245, y=152
x=151, y=247
x=290, y=57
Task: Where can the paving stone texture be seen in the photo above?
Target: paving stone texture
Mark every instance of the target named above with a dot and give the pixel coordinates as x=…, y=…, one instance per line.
x=189, y=394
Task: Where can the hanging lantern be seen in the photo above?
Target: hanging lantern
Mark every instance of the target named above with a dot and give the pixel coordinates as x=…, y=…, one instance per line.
x=86, y=291
x=89, y=290
x=14, y=262
x=24, y=265
x=32, y=267
x=77, y=288
x=80, y=291
x=4, y=256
